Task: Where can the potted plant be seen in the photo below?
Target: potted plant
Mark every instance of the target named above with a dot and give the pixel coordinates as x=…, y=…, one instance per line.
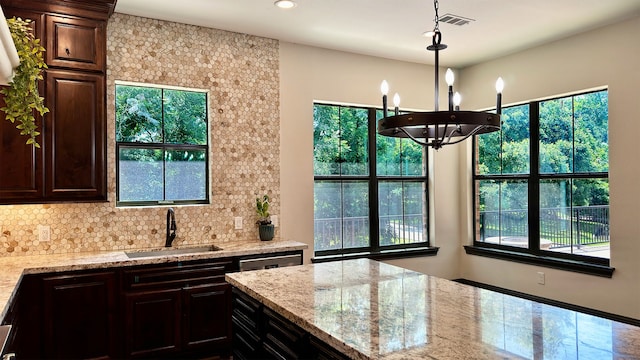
x=265, y=227
x=21, y=96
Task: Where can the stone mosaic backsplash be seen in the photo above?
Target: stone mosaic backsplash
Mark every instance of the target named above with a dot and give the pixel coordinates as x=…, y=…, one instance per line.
x=241, y=75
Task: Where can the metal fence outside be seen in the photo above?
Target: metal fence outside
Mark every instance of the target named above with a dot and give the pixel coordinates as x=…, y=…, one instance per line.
x=563, y=226
x=353, y=232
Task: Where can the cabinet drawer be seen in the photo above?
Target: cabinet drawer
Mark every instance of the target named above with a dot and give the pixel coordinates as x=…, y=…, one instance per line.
x=75, y=43
x=246, y=311
x=283, y=339
x=176, y=275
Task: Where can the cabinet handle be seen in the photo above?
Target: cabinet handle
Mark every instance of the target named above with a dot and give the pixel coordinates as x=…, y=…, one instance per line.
x=9, y=356
x=67, y=51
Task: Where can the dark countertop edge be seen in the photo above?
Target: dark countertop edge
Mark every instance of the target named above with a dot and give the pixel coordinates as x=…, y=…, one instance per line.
x=4, y=335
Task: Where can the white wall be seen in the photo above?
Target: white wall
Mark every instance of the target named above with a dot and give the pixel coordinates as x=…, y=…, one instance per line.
x=309, y=74
x=607, y=56
x=604, y=57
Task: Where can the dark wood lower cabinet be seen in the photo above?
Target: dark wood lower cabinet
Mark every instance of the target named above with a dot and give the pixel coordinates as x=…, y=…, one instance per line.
x=152, y=322
x=172, y=310
x=260, y=333
x=207, y=323
x=78, y=314
x=180, y=309
x=184, y=320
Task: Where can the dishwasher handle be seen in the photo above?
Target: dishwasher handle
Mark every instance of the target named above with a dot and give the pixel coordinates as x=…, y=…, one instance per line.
x=270, y=262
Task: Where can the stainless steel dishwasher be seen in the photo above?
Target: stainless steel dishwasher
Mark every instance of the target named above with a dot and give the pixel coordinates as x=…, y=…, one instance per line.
x=269, y=262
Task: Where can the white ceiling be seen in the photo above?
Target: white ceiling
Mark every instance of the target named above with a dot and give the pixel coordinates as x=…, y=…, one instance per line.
x=393, y=28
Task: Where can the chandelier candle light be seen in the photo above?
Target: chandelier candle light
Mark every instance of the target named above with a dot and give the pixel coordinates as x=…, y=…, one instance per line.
x=438, y=128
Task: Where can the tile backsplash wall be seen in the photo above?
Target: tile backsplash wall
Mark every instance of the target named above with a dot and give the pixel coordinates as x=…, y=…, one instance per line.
x=241, y=74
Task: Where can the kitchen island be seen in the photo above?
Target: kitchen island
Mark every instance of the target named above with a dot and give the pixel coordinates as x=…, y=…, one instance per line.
x=364, y=309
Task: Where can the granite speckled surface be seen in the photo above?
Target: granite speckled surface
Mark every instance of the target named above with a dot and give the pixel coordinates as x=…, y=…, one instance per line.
x=12, y=268
x=371, y=310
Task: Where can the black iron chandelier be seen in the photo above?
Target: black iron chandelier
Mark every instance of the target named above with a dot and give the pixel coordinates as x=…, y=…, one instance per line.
x=438, y=128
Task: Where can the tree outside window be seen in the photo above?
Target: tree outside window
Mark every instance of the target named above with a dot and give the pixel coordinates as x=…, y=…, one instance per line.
x=161, y=145
x=541, y=183
x=370, y=191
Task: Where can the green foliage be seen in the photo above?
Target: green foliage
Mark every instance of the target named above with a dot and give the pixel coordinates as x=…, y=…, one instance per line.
x=341, y=207
x=262, y=209
x=573, y=139
x=138, y=114
x=163, y=136
x=341, y=138
x=22, y=97
x=155, y=115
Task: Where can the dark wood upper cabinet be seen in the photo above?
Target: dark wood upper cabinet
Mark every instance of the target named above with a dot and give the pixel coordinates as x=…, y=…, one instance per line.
x=21, y=177
x=74, y=136
x=75, y=43
x=21, y=164
x=71, y=163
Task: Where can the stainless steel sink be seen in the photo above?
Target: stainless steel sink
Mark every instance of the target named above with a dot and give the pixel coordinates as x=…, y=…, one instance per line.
x=167, y=251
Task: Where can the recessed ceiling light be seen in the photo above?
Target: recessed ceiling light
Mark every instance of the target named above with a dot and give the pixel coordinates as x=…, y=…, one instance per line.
x=285, y=4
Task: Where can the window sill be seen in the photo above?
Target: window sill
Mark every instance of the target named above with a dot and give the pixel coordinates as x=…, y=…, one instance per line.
x=380, y=255
x=546, y=261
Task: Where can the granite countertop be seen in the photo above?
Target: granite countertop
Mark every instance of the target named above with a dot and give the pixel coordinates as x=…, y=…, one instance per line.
x=14, y=267
x=371, y=310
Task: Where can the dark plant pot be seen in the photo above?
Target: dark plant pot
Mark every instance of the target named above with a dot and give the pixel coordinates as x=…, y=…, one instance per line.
x=266, y=232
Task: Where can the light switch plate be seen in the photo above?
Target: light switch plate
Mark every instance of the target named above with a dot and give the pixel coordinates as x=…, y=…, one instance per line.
x=237, y=222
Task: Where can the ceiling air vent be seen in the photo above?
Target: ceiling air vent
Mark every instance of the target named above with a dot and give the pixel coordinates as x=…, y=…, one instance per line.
x=455, y=19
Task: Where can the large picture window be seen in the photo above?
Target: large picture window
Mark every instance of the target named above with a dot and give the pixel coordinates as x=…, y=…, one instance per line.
x=161, y=145
x=370, y=191
x=541, y=183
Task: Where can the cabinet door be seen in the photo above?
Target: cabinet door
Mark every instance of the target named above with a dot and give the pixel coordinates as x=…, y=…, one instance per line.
x=36, y=18
x=152, y=323
x=75, y=43
x=207, y=316
x=79, y=316
x=20, y=164
x=75, y=136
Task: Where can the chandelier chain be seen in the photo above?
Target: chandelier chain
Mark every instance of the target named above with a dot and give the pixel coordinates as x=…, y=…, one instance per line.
x=436, y=6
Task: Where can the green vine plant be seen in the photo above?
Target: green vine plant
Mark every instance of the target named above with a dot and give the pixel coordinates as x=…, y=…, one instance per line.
x=21, y=96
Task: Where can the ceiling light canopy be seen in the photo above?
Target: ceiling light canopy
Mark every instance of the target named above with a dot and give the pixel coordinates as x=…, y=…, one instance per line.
x=285, y=4
x=438, y=128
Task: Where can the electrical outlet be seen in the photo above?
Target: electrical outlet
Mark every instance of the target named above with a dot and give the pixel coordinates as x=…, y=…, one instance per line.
x=237, y=222
x=44, y=233
x=274, y=220
x=540, y=278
